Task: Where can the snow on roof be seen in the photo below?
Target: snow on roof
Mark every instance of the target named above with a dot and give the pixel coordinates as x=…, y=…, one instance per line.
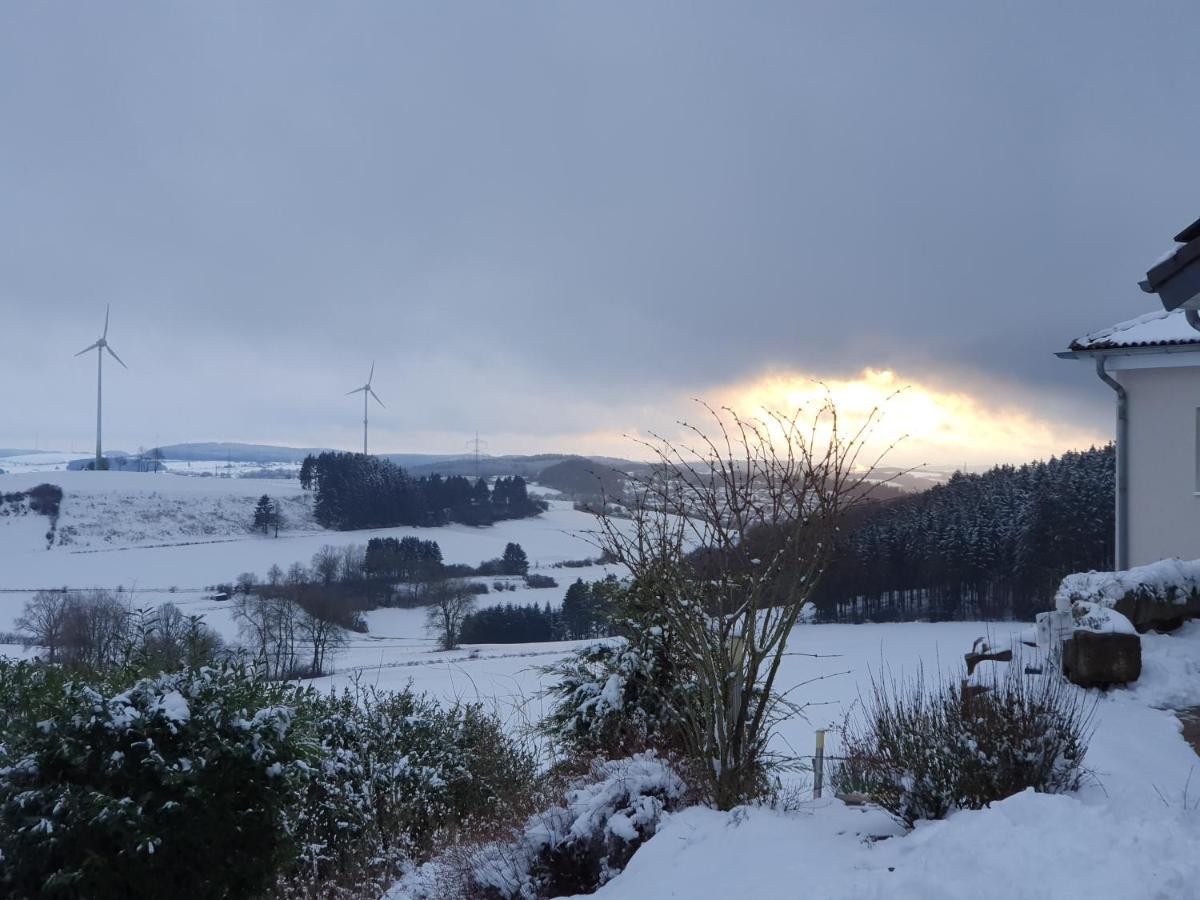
x=1156, y=329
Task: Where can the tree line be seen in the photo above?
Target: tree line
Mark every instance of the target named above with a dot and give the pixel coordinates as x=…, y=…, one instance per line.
x=587, y=612
x=353, y=490
x=991, y=546
x=98, y=630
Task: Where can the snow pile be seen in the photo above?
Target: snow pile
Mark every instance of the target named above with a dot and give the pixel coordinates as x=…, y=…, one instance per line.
x=588, y=841
x=1028, y=847
x=1165, y=581
x=1099, y=619
x=1170, y=669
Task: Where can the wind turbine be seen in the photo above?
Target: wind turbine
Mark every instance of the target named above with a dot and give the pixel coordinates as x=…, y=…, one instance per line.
x=100, y=346
x=365, y=390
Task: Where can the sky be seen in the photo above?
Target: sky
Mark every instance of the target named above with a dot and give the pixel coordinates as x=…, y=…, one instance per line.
x=557, y=224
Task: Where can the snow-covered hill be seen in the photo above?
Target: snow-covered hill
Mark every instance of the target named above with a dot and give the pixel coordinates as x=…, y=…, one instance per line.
x=126, y=509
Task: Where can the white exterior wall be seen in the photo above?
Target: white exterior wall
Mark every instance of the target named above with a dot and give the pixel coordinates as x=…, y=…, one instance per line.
x=1164, y=492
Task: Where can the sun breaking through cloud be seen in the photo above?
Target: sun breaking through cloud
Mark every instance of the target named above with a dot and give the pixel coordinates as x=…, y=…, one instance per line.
x=927, y=424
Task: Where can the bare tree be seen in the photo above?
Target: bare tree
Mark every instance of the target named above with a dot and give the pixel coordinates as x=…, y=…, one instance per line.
x=43, y=621
x=353, y=566
x=250, y=612
x=296, y=574
x=321, y=626
x=246, y=582
x=326, y=563
x=727, y=537
x=96, y=630
x=269, y=624
x=449, y=602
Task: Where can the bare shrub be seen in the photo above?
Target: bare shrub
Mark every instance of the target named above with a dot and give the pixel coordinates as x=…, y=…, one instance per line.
x=726, y=540
x=920, y=752
x=166, y=640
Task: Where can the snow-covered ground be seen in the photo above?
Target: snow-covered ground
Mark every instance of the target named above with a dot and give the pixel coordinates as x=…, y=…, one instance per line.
x=27, y=463
x=48, y=462
x=1134, y=831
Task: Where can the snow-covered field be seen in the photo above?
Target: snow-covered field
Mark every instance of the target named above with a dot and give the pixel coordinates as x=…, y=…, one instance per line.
x=1133, y=832
x=34, y=463
x=166, y=537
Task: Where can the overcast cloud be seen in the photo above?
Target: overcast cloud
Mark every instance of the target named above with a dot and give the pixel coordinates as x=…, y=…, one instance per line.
x=555, y=222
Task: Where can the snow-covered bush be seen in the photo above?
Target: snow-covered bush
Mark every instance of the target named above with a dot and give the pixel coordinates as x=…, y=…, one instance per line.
x=219, y=783
x=177, y=786
x=920, y=753
x=396, y=776
x=614, y=697
x=578, y=846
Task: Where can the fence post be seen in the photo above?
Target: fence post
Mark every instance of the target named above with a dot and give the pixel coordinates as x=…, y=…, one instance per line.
x=819, y=764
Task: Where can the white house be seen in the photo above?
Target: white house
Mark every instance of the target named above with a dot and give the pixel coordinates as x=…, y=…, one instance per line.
x=1153, y=365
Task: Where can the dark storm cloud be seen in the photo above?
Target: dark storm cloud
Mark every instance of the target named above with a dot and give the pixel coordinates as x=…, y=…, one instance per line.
x=545, y=220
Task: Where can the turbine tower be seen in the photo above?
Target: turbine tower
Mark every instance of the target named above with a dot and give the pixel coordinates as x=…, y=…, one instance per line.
x=100, y=346
x=365, y=390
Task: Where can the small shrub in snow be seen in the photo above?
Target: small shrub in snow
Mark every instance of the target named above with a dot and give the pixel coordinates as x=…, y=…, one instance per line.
x=578, y=846
x=920, y=753
x=614, y=698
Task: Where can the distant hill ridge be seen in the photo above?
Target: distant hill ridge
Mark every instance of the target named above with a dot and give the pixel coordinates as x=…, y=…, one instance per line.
x=528, y=466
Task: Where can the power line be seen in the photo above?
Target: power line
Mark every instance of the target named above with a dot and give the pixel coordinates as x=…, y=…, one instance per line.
x=476, y=445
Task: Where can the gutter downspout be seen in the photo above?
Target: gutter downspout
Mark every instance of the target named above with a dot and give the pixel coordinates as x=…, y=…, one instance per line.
x=1122, y=537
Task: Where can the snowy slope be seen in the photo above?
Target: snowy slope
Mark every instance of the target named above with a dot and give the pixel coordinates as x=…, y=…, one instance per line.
x=1132, y=832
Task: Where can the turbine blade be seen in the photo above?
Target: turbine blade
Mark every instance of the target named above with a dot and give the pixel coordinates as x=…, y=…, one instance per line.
x=355, y=391
x=113, y=353
x=86, y=349
x=106, y=308
x=376, y=396
x=371, y=377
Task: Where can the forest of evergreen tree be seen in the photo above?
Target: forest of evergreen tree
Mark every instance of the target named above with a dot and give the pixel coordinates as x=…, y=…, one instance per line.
x=587, y=612
x=985, y=546
x=353, y=490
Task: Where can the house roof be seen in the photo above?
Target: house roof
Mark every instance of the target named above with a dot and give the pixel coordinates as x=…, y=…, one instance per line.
x=1156, y=329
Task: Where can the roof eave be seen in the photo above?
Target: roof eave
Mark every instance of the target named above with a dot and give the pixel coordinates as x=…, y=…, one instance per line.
x=1086, y=352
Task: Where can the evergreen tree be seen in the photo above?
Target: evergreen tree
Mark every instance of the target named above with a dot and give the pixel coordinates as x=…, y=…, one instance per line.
x=307, y=468
x=263, y=513
x=514, y=559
